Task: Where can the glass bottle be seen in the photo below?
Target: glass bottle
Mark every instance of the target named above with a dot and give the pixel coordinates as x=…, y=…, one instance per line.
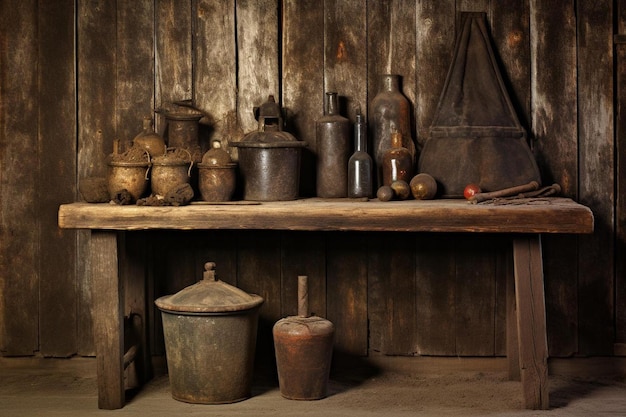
x=390, y=111
x=397, y=162
x=332, y=133
x=360, y=164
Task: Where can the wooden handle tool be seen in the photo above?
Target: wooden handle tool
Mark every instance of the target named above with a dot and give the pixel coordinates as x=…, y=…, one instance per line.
x=506, y=192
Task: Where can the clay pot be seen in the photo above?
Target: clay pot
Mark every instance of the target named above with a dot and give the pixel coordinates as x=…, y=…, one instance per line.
x=217, y=175
x=169, y=171
x=129, y=176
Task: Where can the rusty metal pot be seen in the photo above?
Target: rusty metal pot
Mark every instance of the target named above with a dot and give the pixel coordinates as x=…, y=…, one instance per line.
x=217, y=174
x=170, y=170
x=210, y=333
x=304, y=347
x=269, y=158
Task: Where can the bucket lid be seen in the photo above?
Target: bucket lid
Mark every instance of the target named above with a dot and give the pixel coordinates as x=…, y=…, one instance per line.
x=210, y=295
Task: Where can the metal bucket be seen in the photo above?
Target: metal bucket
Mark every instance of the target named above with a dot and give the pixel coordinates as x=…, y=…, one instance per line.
x=210, y=333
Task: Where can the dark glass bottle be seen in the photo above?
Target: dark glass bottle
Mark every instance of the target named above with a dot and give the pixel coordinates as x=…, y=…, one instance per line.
x=360, y=165
x=333, y=150
x=390, y=111
x=397, y=162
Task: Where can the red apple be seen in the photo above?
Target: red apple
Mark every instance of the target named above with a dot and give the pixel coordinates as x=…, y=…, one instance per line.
x=471, y=190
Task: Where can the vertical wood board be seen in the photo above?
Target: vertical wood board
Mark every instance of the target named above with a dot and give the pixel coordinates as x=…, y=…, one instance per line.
x=596, y=174
x=257, y=58
x=303, y=253
x=215, y=66
x=620, y=173
x=345, y=57
x=554, y=121
x=436, y=293
x=435, y=38
x=346, y=275
x=303, y=79
x=173, y=55
x=19, y=161
x=57, y=162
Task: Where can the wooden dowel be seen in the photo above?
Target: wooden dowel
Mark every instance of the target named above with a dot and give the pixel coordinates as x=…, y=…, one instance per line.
x=303, y=296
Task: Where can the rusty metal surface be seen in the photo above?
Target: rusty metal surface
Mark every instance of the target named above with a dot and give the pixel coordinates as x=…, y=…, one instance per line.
x=304, y=347
x=269, y=158
x=476, y=136
x=210, y=333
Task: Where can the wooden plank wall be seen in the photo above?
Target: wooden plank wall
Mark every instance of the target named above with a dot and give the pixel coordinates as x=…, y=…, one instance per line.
x=88, y=71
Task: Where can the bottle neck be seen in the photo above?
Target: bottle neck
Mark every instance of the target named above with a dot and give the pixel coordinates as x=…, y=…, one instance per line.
x=360, y=135
x=331, y=106
x=396, y=140
x=391, y=82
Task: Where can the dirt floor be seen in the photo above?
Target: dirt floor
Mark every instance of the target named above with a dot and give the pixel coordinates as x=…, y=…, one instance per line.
x=376, y=387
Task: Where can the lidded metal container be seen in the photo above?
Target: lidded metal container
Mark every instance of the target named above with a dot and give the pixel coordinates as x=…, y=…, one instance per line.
x=269, y=158
x=304, y=348
x=217, y=174
x=210, y=333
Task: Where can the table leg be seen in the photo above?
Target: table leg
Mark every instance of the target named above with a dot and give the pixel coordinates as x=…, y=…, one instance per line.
x=108, y=317
x=531, y=320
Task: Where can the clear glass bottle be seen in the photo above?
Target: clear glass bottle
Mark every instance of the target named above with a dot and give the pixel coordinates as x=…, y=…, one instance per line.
x=397, y=161
x=360, y=165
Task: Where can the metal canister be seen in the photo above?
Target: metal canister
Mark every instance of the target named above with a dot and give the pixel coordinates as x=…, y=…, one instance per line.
x=269, y=158
x=304, y=347
x=210, y=333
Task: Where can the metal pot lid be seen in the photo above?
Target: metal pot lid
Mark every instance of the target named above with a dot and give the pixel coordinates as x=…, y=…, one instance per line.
x=210, y=295
x=269, y=139
x=270, y=132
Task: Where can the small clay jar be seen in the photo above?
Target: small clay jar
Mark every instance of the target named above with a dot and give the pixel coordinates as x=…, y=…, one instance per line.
x=149, y=140
x=128, y=172
x=217, y=177
x=170, y=170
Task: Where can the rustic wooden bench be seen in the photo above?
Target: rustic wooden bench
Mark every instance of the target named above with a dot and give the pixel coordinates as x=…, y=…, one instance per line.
x=524, y=220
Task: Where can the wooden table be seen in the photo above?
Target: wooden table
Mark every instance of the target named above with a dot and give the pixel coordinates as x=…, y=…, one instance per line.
x=525, y=220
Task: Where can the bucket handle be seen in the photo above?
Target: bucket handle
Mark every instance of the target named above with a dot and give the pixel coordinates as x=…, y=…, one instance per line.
x=146, y=176
x=190, y=158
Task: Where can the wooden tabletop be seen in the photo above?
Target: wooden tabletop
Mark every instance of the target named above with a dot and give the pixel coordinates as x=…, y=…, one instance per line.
x=545, y=215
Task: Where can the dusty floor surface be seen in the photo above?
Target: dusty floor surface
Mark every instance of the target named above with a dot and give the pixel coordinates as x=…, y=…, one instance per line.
x=384, y=387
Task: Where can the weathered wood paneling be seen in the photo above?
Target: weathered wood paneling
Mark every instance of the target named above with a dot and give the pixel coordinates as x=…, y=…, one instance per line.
x=19, y=175
x=57, y=165
x=215, y=66
x=596, y=174
x=389, y=293
x=554, y=118
x=620, y=174
x=302, y=80
x=257, y=58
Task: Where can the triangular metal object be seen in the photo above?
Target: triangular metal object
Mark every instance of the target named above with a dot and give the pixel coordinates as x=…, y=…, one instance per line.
x=476, y=136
